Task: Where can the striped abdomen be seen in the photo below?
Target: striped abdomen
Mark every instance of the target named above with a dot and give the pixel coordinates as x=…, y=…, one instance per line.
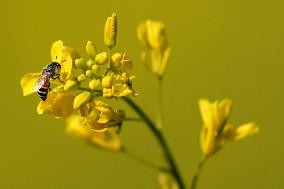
x=43, y=89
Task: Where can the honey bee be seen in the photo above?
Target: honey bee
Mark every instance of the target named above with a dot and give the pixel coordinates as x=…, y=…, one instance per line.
x=43, y=83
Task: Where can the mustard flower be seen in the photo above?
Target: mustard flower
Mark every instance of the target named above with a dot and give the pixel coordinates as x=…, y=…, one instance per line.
x=103, y=116
x=152, y=35
x=216, y=130
x=107, y=140
x=58, y=102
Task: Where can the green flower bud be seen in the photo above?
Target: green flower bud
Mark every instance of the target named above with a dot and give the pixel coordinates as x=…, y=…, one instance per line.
x=90, y=63
x=94, y=84
x=82, y=77
x=102, y=58
x=71, y=84
x=80, y=63
x=89, y=73
x=82, y=99
x=110, y=31
x=96, y=69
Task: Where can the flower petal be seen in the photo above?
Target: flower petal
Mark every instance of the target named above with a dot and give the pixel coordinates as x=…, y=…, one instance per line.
x=56, y=51
x=206, y=112
x=28, y=83
x=66, y=68
x=245, y=130
x=107, y=140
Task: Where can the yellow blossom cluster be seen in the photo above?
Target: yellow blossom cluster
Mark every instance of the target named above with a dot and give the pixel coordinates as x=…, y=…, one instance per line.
x=82, y=81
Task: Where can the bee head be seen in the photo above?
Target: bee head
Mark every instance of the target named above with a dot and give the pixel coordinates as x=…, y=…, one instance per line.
x=58, y=66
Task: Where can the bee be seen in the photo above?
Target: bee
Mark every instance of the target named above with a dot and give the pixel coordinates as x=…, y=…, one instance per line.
x=42, y=86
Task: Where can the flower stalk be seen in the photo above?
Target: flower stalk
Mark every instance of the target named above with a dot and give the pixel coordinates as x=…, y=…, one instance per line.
x=160, y=103
x=160, y=138
x=198, y=172
x=130, y=155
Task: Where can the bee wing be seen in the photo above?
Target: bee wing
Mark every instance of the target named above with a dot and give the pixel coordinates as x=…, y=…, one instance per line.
x=40, y=82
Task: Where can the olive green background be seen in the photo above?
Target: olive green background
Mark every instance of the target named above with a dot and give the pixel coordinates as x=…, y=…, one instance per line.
x=219, y=49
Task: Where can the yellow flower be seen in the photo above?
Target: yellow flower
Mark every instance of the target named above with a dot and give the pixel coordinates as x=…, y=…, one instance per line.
x=103, y=116
x=57, y=104
x=59, y=53
x=167, y=181
x=65, y=56
x=152, y=35
x=107, y=140
x=216, y=131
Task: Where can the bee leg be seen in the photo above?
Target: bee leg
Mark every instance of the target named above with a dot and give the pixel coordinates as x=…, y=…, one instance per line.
x=57, y=77
x=49, y=89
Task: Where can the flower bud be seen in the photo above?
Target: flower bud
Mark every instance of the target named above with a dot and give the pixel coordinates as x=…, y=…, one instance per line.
x=80, y=63
x=70, y=84
x=82, y=77
x=96, y=69
x=110, y=31
x=81, y=99
x=91, y=49
x=89, y=73
x=90, y=63
x=102, y=58
x=107, y=81
x=116, y=58
x=94, y=84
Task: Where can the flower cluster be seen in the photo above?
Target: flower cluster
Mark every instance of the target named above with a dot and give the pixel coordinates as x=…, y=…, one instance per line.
x=75, y=94
x=216, y=130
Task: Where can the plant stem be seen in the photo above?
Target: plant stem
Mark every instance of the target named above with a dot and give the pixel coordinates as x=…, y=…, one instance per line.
x=132, y=119
x=160, y=103
x=198, y=171
x=145, y=162
x=160, y=137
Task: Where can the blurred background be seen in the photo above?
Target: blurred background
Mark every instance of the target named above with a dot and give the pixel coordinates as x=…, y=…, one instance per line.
x=219, y=49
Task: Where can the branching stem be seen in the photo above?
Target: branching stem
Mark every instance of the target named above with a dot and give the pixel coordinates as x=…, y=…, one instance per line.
x=160, y=138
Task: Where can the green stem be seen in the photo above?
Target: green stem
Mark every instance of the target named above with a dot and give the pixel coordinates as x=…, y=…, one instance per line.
x=198, y=172
x=143, y=161
x=132, y=119
x=160, y=137
x=160, y=103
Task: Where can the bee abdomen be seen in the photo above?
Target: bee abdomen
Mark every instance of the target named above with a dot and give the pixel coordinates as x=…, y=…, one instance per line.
x=42, y=92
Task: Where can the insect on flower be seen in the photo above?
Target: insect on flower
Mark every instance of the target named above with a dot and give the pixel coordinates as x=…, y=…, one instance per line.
x=43, y=83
